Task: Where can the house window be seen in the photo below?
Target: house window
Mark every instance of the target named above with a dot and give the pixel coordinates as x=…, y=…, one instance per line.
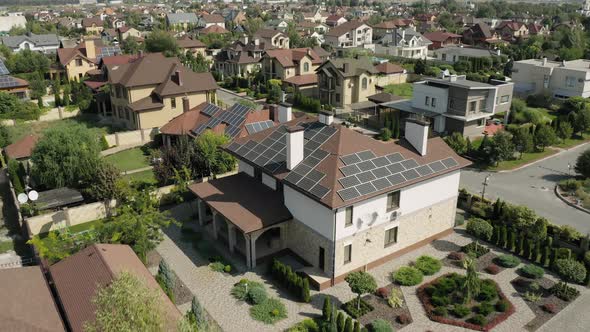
x=427, y=101
x=570, y=82
x=433, y=102
x=451, y=103
x=482, y=122
x=306, y=67
x=505, y=99
x=337, y=97
x=364, y=83
x=347, y=253
x=391, y=236
x=473, y=107
x=348, y=216
x=444, y=57
x=173, y=102
x=78, y=62
x=393, y=201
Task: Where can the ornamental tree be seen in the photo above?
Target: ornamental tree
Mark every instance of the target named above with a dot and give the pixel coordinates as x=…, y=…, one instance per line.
x=361, y=282
x=583, y=164
x=570, y=270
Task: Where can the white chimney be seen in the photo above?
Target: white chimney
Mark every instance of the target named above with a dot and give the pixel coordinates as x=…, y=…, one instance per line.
x=453, y=78
x=544, y=62
x=256, y=41
x=326, y=117
x=285, y=112
x=294, y=146
x=417, y=134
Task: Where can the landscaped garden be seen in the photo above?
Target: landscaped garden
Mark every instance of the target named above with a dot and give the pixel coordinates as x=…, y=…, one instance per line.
x=128, y=160
x=263, y=307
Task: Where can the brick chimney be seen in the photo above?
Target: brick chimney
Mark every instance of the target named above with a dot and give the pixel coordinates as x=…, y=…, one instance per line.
x=294, y=146
x=178, y=76
x=90, y=49
x=345, y=67
x=185, y=104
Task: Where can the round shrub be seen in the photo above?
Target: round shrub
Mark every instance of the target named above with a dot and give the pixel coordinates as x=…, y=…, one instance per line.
x=532, y=271
x=439, y=301
x=487, y=291
x=380, y=325
x=242, y=289
x=446, y=285
x=440, y=311
x=269, y=311
x=460, y=310
x=485, y=309
x=502, y=305
x=508, y=261
x=382, y=292
x=570, y=270
x=493, y=269
x=408, y=276
x=478, y=320
x=480, y=228
x=257, y=295
x=428, y=265
x=227, y=268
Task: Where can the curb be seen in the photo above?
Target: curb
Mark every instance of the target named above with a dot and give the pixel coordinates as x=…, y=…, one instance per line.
x=568, y=202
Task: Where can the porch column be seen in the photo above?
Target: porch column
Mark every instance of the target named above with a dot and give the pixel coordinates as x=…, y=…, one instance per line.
x=231, y=236
x=283, y=236
x=215, y=225
x=248, y=253
x=202, y=211
x=253, y=239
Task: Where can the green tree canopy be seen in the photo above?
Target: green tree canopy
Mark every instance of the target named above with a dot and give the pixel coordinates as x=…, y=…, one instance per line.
x=161, y=41
x=583, y=164
x=28, y=61
x=360, y=283
x=211, y=157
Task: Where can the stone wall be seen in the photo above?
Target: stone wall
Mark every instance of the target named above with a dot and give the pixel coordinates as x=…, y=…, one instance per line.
x=67, y=217
x=305, y=242
x=133, y=137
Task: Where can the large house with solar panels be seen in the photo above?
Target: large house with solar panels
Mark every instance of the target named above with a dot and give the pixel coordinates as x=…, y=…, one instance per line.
x=337, y=200
x=149, y=91
x=13, y=85
x=236, y=121
x=78, y=61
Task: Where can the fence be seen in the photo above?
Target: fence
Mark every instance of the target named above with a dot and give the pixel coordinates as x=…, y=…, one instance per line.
x=57, y=113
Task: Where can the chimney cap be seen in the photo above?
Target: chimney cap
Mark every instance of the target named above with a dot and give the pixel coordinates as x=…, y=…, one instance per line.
x=325, y=112
x=422, y=122
x=294, y=129
x=284, y=104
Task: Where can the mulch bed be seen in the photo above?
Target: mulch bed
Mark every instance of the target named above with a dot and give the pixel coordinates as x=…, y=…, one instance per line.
x=541, y=316
x=383, y=311
x=482, y=263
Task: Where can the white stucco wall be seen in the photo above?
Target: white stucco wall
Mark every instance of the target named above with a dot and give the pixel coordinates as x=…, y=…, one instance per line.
x=309, y=212
x=246, y=168
x=430, y=192
x=421, y=91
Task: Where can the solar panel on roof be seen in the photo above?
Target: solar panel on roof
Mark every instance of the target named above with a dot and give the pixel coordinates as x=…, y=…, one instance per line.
x=410, y=174
x=365, y=188
x=366, y=155
x=349, y=170
x=396, y=179
x=409, y=163
x=450, y=162
x=319, y=191
x=424, y=170
x=381, y=172
x=381, y=161
x=349, y=181
x=293, y=177
x=396, y=168
x=348, y=194
x=395, y=157
x=311, y=161
x=365, y=165
x=350, y=159
x=3, y=69
x=320, y=154
x=315, y=175
x=437, y=166
x=8, y=82
x=302, y=169
x=366, y=176
x=381, y=184
x=305, y=184
x=211, y=110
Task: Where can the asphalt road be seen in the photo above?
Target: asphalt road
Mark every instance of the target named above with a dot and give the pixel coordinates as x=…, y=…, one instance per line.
x=532, y=186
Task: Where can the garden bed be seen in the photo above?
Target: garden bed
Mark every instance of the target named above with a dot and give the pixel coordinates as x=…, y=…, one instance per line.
x=546, y=301
x=470, y=315
x=486, y=262
x=397, y=317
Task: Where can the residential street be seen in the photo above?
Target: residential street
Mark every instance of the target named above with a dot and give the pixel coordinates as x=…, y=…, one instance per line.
x=533, y=186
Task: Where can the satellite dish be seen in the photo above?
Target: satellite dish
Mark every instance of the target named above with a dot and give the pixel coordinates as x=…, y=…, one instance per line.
x=22, y=198
x=33, y=195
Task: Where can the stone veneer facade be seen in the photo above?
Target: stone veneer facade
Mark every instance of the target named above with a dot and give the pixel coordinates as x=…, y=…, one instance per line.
x=306, y=243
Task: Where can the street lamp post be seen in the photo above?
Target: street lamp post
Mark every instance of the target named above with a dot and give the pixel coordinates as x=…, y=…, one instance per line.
x=485, y=184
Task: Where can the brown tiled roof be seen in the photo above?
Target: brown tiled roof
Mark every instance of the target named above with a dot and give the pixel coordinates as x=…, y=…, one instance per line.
x=190, y=43
x=341, y=143
x=150, y=102
x=333, y=18
x=307, y=79
x=87, y=22
x=213, y=29
x=386, y=25
x=78, y=277
x=213, y=18
x=389, y=68
x=383, y=97
x=22, y=148
x=344, y=28
x=26, y=303
x=246, y=202
x=191, y=82
x=185, y=122
x=440, y=36
x=289, y=57
x=267, y=33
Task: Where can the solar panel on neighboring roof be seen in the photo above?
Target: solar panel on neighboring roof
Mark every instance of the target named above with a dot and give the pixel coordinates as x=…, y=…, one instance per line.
x=3, y=69
x=8, y=82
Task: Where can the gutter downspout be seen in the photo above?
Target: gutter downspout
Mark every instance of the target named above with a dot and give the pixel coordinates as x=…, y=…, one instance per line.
x=332, y=279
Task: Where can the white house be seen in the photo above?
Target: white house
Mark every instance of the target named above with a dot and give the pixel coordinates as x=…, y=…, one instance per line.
x=350, y=34
x=339, y=200
x=407, y=43
x=47, y=43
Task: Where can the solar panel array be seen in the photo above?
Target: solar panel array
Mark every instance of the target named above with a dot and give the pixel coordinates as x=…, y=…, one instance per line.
x=258, y=126
x=233, y=118
x=3, y=69
x=211, y=110
x=271, y=153
x=364, y=173
x=108, y=51
x=8, y=82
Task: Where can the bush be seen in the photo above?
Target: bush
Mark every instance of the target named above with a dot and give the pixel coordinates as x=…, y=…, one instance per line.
x=243, y=289
x=493, y=269
x=564, y=292
x=532, y=271
x=440, y=300
x=380, y=325
x=291, y=280
x=350, y=308
x=478, y=320
x=508, y=261
x=257, y=295
x=487, y=291
x=217, y=266
x=428, y=265
x=480, y=228
x=502, y=305
x=408, y=276
x=385, y=134
x=440, y=311
x=570, y=270
x=460, y=310
x=269, y=312
x=549, y=307
x=475, y=248
x=395, y=299
x=456, y=255
x=382, y=292
x=227, y=268
x=306, y=325
x=485, y=309
x=13, y=174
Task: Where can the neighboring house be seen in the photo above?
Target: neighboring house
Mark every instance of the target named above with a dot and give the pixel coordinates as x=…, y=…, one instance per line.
x=13, y=85
x=390, y=73
x=213, y=19
x=148, y=92
x=452, y=54
x=181, y=21
x=241, y=58
x=383, y=28
x=93, y=25
x=48, y=43
x=236, y=16
x=237, y=121
x=8, y=22
x=343, y=81
x=193, y=46
x=272, y=38
x=295, y=67
x=340, y=200
x=538, y=29
x=80, y=60
x=350, y=34
x=406, y=43
x=77, y=279
x=28, y=304
x=126, y=32
x=510, y=30
x=335, y=20
x=315, y=16
x=117, y=23
x=559, y=79
x=310, y=27
x=22, y=149
x=455, y=104
x=279, y=24
x=481, y=35
x=213, y=29
x=442, y=39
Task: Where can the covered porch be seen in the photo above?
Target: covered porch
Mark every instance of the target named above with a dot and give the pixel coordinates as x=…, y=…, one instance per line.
x=244, y=214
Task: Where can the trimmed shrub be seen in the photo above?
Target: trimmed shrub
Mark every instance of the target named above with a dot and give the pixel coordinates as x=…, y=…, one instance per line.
x=291, y=280
x=485, y=309
x=306, y=325
x=493, y=269
x=351, y=308
x=532, y=271
x=570, y=270
x=440, y=300
x=380, y=325
x=269, y=312
x=480, y=228
x=440, y=311
x=456, y=255
x=460, y=310
x=502, y=306
x=564, y=292
x=382, y=292
x=428, y=265
x=478, y=320
x=408, y=276
x=257, y=295
x=507, y=261
x=475, y=248
x=244, y=288
x=487, y=291
x=404, y=319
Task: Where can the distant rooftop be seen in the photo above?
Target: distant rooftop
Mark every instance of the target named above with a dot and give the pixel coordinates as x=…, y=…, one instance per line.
x=580, y=64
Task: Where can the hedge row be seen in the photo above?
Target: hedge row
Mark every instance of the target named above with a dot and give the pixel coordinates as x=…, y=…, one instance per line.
x=296, y=284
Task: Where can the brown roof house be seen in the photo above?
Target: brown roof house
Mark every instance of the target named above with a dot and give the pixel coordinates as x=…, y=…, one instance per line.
x=148, y=91
x=27, y=303
x=350, y=34
x=21, y=149
x=79, y=60
x=78, y=277
x=190, y=45
x=295, y=67
x=390, y=73
x=481, y=35
x=93, y=25
x=340, y=200
x=242, y=57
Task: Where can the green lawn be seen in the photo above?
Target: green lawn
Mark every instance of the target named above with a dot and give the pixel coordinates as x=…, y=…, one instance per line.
x=85, y=226
x=143, y=176
x=403, y=90
x=128, y=160
x=570, y=142
x=6, y=246
x=526, y=158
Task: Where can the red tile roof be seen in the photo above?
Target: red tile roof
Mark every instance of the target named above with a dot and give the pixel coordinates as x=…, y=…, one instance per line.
x=308, y=79
x=213, y=29
x=389, y=68
x=440, y=36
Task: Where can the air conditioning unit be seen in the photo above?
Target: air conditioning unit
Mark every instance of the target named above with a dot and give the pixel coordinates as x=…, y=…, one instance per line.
x=394, y=215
